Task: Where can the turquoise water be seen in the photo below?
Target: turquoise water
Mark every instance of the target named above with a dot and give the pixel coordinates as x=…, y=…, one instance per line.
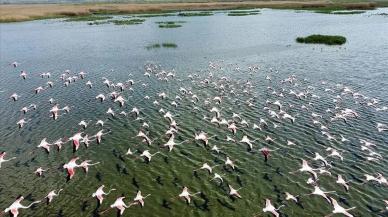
x=228, y=43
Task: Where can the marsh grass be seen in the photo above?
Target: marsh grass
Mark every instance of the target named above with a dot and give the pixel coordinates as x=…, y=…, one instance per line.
x=164, y=45
x=128, y=22
x=194, y=14
x=155, y=15
x=322, y=39
x=347, y=12
x=243, y=13
x=170, y=24
x=88, y=18
x=169, y=45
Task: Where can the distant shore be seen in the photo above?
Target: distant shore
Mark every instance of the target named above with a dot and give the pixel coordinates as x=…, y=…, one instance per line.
x=26, y=12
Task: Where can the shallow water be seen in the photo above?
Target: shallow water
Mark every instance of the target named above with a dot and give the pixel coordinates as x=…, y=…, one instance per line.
x=118, y=53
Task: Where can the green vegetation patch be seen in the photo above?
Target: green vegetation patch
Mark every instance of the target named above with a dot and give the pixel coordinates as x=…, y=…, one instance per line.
x=128, y=22
x=347, y=12
x=170, y=24
x=88, y=18
x=194, y=14
x=322, y=39
x=164, y=45
x=169, y=45
x=243, y=13
x=155, y=15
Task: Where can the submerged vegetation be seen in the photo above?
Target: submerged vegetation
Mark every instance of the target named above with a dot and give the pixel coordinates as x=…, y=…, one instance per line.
x=155, y=15
x=322, y=39
x=193, y=14
x=170, y=24
x=243, y=13
x=164, y=45
x=347, y=12
x=88, y=18
x=128, y=22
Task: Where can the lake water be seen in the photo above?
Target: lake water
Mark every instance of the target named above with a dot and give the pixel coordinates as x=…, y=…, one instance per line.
x=118, y=53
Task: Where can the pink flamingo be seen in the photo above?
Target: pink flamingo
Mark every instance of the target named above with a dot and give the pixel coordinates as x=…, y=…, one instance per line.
x=15, y=206
x=70, y=166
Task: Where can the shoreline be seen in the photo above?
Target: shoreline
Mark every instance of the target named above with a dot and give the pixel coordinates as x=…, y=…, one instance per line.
x=28, y=12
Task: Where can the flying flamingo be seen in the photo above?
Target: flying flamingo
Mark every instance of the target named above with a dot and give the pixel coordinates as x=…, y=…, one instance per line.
x=341, y=181
x=266, y=152
x=206, y=166
x=229, y=163
x=50, y=196
x=15, y=206
x=139, y=199
x=76, y=140
x=44, y=144
x=39, y=171
x=2, y=156
x=148, y=155
x=186, y=195
x=99, y=135
x=307, y=168
x=70, y=166
x=291, y=197
x=120, y=205
x=85, y=165
x=217, y=176
x=233, y=192
x=270, y=208
x=319, y=192
x=99, y=194
x=339, y=209
x=14, y=96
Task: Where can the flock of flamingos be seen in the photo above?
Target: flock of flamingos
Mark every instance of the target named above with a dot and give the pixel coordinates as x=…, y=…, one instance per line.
x=219, y=87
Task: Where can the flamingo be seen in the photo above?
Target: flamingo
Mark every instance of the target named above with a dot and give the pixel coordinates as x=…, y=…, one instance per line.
x=217, y=176
x=341, y=181
x=229, y=163
x=2, y=156
x=120, y=205
x=270, y=208
x=148, y=155
x=39, y=171
x=85, y=165
x=99, y=194
x=339, y=209
x=291, y=197
x=70, y=166
x=319, y=192
x=15, y=206
x=50, y=196
x=14, y=96
x=44, y=144
x=233, y=192
x=206, y=166
x=140, y=199
x=186, y=195
x=307, y=168
x=76, y=140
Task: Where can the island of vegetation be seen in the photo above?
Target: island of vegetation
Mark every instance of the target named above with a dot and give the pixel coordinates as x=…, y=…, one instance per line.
x=170, y=24
x=164, y=45
x=322, y=39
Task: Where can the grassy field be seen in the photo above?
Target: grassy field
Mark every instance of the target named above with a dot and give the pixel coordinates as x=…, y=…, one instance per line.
x=25, y=12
